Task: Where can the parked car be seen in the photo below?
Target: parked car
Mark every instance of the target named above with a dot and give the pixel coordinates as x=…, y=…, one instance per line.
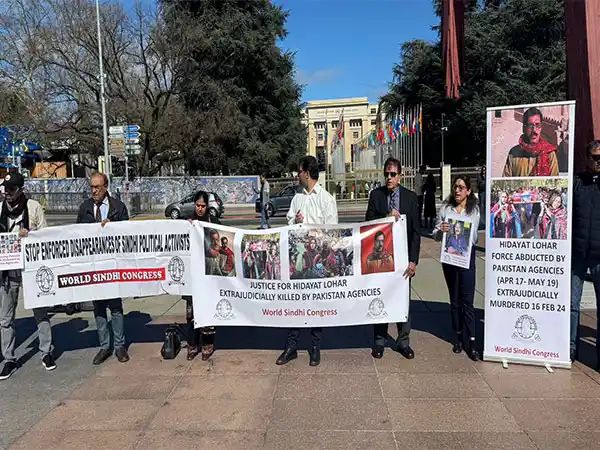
x=185, y=206
x=280, y=202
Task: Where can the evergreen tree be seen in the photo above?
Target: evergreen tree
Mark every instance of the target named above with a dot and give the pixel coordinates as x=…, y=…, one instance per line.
x=514, y=53
x=239, y=84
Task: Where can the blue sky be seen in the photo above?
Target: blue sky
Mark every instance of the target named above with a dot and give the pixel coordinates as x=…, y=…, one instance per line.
x=347, y=48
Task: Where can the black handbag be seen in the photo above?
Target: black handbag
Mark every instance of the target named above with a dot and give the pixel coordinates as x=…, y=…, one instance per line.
x=172, y=344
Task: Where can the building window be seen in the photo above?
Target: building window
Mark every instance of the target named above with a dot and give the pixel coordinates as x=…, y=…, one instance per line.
x=373, y=122
x=373, y=110
x=320, y=136
x=334, y=124
x=355, y=123
x=319, y=125
x=355, y=135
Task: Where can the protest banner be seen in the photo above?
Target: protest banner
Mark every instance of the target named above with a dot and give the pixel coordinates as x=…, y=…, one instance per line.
x=301, y=275
x=456, y=243
x=11, y=256
x=84, y=262
x=528, y=243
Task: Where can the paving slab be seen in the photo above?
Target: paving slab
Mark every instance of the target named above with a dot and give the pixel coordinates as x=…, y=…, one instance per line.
x=464, y=440
x=554, y=415
x=330, y=440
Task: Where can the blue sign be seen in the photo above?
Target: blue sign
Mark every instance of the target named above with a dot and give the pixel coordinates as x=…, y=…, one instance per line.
x=133, y=128
x=132, y=135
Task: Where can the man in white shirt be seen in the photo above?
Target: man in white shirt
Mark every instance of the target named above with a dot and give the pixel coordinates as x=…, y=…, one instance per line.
x=312, y=205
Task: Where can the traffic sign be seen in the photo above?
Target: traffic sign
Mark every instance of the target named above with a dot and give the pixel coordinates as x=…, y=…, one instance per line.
x=132, y=134
x=116, y=130
x=117, y=140
x=133, y=128
x=132, y=141
x=134, y=147
x=134, y=152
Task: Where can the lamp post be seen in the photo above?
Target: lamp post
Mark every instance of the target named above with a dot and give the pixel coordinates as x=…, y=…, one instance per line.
x=107, y=161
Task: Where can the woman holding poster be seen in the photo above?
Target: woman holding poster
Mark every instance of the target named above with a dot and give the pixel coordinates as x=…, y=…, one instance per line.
x=460, y=207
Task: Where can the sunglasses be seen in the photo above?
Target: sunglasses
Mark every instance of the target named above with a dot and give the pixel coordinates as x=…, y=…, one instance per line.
x=596, y=158
x=390, y=174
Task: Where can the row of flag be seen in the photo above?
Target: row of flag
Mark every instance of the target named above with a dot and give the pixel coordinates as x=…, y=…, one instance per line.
x=405, y=123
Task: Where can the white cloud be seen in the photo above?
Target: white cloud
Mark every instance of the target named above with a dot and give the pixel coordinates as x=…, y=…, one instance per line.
x=319, y=76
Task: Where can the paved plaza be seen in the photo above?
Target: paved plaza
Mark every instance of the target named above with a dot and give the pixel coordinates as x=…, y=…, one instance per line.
x=241, y=399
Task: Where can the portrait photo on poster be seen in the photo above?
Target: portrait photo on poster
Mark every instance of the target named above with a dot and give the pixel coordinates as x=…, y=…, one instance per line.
x=320, y=253
x=261, y=256
x=456, y=243
x=533, y=208
x=376, y=248
x=530, y=142
x=218, y=252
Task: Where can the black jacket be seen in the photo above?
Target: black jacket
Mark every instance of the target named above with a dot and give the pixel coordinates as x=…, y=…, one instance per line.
x=117, y=211
x=378, y=209
x=586, y=218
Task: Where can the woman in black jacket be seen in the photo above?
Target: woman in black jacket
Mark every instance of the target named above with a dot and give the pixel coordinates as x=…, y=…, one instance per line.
x=200, y=339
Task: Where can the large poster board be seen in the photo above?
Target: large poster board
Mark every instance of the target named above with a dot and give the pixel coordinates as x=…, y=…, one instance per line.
x=528, y=242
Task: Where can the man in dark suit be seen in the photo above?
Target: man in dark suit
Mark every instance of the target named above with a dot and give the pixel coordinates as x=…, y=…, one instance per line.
x=394, y=200
x=103, y=208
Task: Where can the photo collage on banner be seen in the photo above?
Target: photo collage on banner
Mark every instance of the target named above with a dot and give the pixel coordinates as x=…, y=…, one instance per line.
x=528, y=251
x=300, y=275
x=11, y=257
x=456, y=243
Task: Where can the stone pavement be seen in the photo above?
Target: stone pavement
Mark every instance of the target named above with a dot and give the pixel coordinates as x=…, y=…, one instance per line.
x=241, y=399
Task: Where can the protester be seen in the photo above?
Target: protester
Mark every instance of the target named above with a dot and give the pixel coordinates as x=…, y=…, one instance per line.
x=533, y=156
x=429, y=190
x=19, y=214
x=461, y=205
x=203, y=338
x=586, y=242
x=419, y=185
x=393, y=200
x=103, y=208
x=313, y=205
x=264, y=201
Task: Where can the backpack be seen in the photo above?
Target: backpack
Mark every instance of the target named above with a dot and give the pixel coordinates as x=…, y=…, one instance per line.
x=172, y=344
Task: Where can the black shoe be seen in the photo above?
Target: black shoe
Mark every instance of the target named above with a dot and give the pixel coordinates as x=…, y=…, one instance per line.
x=9, y=368
x=122, y=355
x=48, y=362
x=472, y=352
x=573, y=355
x=407, y=352
x=457, y=347
x=287, y=355
x=101, y=356
x=315, y=356
x=377, y=351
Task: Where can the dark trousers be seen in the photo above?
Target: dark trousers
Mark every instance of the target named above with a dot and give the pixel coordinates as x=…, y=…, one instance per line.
x=380, y=333
x=196, y=336
x=294, y=335
x=420, y=206
x=461, y=289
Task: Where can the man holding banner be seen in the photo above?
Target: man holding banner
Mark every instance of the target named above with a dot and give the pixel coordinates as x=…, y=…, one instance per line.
x=394, y=200
x=313, y=205
x=19, y=214
x=103, y=208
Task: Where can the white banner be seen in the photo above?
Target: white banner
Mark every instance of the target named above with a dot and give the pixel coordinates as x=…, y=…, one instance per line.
x=301, y=275
x=76, y=263
x=528, y=244
x=11, y=256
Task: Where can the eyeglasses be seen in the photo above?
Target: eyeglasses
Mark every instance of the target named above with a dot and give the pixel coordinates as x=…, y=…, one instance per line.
x=531, y=126
x=390, y=174
x=460, y=187
x=596, y=158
